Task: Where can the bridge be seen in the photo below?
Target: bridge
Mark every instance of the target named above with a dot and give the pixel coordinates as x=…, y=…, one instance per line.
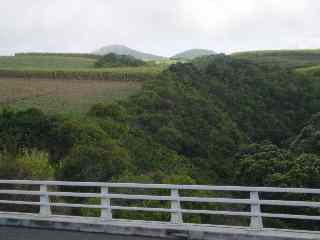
x=30, y=211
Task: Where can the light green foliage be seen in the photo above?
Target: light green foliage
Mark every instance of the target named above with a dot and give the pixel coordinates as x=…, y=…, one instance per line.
x=33, y=164
x=28, y=164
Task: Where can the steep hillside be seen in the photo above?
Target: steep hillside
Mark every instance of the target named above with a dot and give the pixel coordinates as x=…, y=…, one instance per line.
x=193, y=53
x=123, y=50
x=284, y=58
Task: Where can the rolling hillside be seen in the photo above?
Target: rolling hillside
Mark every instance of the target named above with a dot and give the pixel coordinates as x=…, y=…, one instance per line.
x=123, y=50
x=193, y=53
x=284, y=58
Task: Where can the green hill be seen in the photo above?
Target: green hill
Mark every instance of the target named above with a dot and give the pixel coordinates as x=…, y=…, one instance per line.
x=123, y=50
x=284, y=58
x=193, y=53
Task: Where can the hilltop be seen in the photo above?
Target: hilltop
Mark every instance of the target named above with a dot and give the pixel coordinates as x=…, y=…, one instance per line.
x=124, y=50
x=193, y=53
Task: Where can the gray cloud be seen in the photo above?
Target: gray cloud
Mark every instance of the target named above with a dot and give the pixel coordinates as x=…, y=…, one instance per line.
x=161, y=27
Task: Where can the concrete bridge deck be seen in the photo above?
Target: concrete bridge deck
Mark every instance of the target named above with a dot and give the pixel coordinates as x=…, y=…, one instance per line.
x=20, y=226
x=18, y=233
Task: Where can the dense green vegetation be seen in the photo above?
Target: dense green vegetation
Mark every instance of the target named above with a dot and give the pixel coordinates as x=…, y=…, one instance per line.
x=115, y=60
x=216, y=120
x=284, y=58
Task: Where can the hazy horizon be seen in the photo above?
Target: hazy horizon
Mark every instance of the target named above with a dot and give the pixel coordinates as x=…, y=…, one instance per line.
x=162, y=28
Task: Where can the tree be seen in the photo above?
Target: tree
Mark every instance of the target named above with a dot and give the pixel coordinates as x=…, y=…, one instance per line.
x=115, y=60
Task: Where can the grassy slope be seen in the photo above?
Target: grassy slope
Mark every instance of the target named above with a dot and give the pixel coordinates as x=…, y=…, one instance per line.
x=284, y=58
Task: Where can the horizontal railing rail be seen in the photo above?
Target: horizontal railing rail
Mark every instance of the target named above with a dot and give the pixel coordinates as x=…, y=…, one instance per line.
x=175, y=198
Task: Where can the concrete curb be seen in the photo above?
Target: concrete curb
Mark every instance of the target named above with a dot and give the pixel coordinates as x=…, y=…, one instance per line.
x=151, y=229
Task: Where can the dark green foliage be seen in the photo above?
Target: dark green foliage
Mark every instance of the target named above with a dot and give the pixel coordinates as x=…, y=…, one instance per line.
x=268, y=103
x=114, y=111
x=25, y=129
x=95, y=162
x=114, y=60
x=308, y=140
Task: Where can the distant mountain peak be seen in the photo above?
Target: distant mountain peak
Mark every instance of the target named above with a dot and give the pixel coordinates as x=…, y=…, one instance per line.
x=124, y=50
x=193, y=53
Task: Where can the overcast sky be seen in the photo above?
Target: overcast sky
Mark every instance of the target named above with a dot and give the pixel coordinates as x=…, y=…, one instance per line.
x=162, y=27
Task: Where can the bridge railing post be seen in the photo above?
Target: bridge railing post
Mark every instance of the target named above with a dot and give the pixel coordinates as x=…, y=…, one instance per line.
x=45, y=210
x=256, y=220
x=176, y=215
x=106, y=212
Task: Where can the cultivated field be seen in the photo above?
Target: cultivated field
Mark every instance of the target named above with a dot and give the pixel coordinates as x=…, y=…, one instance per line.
x=284, y=58
x=67, y=83
x=62, y=96
x=73, y=67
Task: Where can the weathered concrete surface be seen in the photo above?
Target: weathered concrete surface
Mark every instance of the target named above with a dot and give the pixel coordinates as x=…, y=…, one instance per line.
x=142, y=230
x=19, y=233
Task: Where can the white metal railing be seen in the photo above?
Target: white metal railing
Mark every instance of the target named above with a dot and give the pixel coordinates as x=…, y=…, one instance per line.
x=255, y=214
